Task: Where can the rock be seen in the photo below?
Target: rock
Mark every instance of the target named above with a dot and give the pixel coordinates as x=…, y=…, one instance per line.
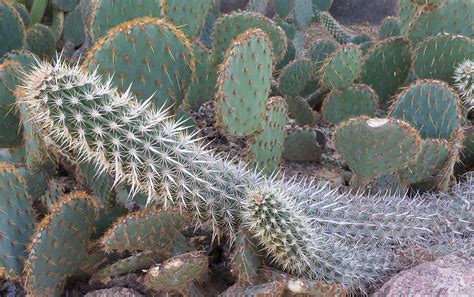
x=114, y=292
x=447, y=276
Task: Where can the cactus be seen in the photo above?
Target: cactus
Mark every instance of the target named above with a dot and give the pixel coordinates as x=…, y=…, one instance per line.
x=25, y=58
x=59, y=244
x=74, y=28
x=16, y=222
x=10, y=128
x=246, y=73
x=108, y=14
x=390, y=28
x=320, y=50
x=301, y=145
x=283, y=7
x=152, y=55
x=339, y=33
x=246, y=258
x=457, y=18
x=65, y=5
x=54, y=191
x=145, y=231
x=23, y=12
x=206, y=31
x=266, y=146
x=178, y=273
x=373, y=147
x=407, y=13
x=12, y=28
x=437, y=57
x=341, y=67
x=202, y=87
x=41, y=41
x=431, y=107
x=386, y=66
x=37, y=11
x=322, y=5
x=257, y=5
x=295, y=76
x=464, y=81
x=186, y=15
x=300, y=110
x=135, y=262
x=57, y=25
x=429, y=162
x=356, y=100
x=228, y=27
x=303, y=13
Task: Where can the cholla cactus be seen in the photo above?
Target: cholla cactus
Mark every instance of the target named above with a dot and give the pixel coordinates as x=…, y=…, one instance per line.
x=464, y=79
x=307, y=230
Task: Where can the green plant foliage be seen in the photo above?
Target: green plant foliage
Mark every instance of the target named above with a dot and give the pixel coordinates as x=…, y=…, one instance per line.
x=10, y=129
x=74, y=28
x=390, y=28
x=12, y=28
x=300, y=110
x=188, y=16
x=303, y=13
x=41, y=41
x=341, y=67
x=301, y=145
x=246, y=258
x=295, y=77
x=65, y=5
x=283, y=7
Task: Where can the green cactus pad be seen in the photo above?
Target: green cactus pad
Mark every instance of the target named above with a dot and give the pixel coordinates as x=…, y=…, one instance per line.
x=354, y=101
x=303, y=13
x=187, y=15
x=108, y=14
x=150, y=54
x=203, y=83
x=431, y=107
x=54, y=191
x=244, y=84
x=143, y=231
x=320, y=50
x=300, y=110
x=385, y=67
x=295, y=76
x=228, y=27
x=133, y=263
x=24, y=57
x=289, y=56
x=301, y=145
x=16, y=221
x=390, y=28
x=10, y=129
x=246, y=258
x=65, y=5
x=266, y=147
x=74, y=27
x=437, y=57
x=322, y=5
x=407, y=12
x=289, y=29
x=12, y=29
x=431, y=160
x=41, y=41
x=177, y=273
x=373, y=147
x=454, y=17
x=283, y=7
x=257, y=5
x=23, y=12
x=59, y=245
x=341, y=67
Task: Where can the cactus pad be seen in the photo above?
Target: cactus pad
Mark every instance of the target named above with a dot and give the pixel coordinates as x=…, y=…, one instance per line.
x=437, y=57
x=356, y=100
x=59, y=245
x=302, y=145
x=232, y=25
x=373, y=147
x=320, y=50
x=41, y=41
x=407, y=12
x=246, y=258
x=108, y=14
x=10, y=128
x=322, y=5
x=16, y=221
x=244, y=83
x=187, y=15
x=74, y=27
x=12, y=29
x=341, y=67
x=150, y=54
x=390, y=28
x=295, y=76
x=267, y=145
x=283, y=7
x=300, y=110
x=24, y=57
x=431, y=107
x=303, y=13
x=386, y=67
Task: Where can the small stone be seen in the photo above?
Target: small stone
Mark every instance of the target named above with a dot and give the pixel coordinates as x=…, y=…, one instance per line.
x=114, y=292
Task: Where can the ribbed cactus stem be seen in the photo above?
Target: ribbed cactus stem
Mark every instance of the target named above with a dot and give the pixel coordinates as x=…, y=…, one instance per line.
x=464, y=82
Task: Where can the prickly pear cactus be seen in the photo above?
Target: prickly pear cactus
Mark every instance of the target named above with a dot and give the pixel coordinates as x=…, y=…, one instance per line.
x=437, y=57
x=25, y=58
x=244, y=83
x=386, y=66
x=373, y=147
x=59, y=245
x=302, y=13
x=178, y=273
x=301, y=145
x=322, y=5
x=74, y=32
x=266, y=146
x=10, y=129
x=232, y=25
x=189, y=16
x=283, y=7
x=23, y=12
x=41, y=41
x=16, y=222
x=12, y=29
x=300, y=110
x=453, y=17
x=246, y=258
x=341, y=67
x=108, y=14
x=144, y=231
x=356, y=100
x=65, y=5
x=431, y=107
x=390, y=28
x=151, y=55
x=320, y=50
x=407, y=13
x=295, y=77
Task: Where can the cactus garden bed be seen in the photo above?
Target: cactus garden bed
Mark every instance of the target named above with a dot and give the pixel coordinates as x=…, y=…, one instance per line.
x=232, y=148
